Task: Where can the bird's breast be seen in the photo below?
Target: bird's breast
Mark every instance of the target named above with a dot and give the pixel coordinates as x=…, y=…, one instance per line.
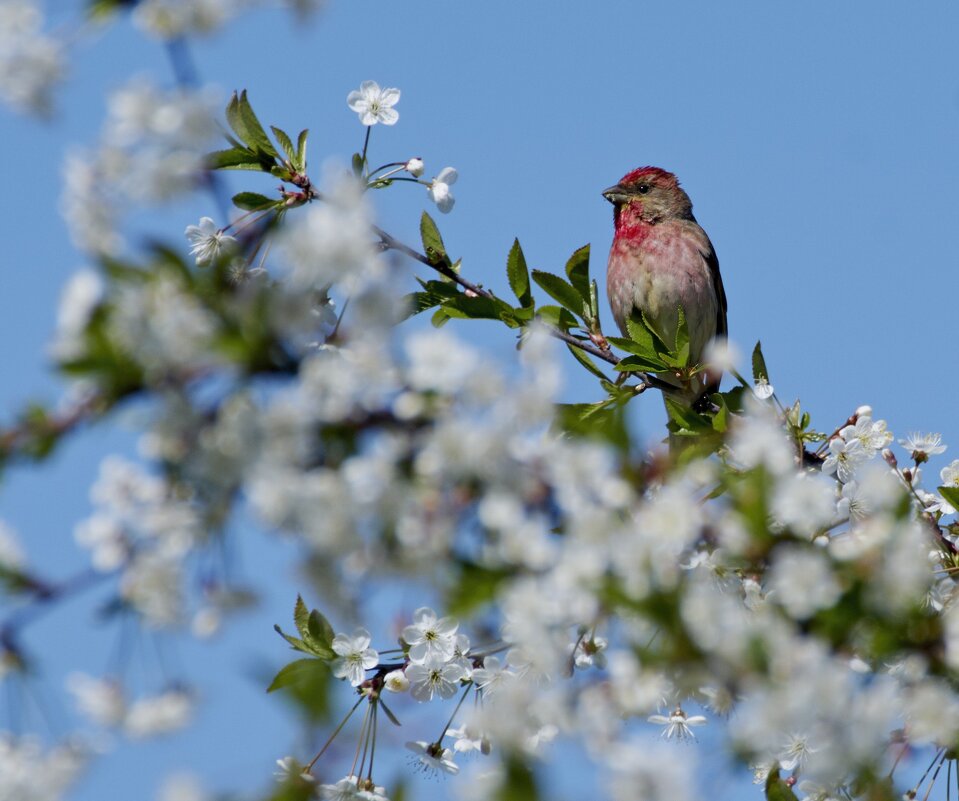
x=659, y=271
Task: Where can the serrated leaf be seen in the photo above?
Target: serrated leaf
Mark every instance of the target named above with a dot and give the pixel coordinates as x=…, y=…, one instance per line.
x=479, y=308
x=518, y=275
x=759, y=364
x=243, y=121
x=294, y=673
x=684, y=416
x=587, y=362
x=301, y=617
x=577, y=270
x=286, y=143
x=556, y=316
x=234, y=158
x=301, y=150
x=252, y=201
x=950, y=495
x=389, y=713
x=433, y=245
x=594, y=301
x=298, y=644
x=321, y=632
x=560, y=291
x=644, y=351
x=641, y=364
x=643, y=334
x=682, y=339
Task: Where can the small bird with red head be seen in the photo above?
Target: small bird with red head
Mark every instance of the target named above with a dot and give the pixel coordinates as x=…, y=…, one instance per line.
x=662, y=260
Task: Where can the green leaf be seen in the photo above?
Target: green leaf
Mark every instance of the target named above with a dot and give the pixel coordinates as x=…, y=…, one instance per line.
x=560, y=291
x=321, y=632
x=236, y=158
x=240, y=116
x=950, y=495
x=557, y=317
x=301, y=617
x=641, y=364
x=358, y=163
x=295, y=673
x=587, y=362
x=432, y=241
x=439, y=318
x=251, y=201
x=518, y=275
x=642, y=333
x=388, y=712
x=682, y=339
x=685, y=417
x=478, y=308
x=298, y=644
x=301, y=150
x=286, y=143
x=759, y=364
x=605, y=421
x=577, y=270
x=594, y=301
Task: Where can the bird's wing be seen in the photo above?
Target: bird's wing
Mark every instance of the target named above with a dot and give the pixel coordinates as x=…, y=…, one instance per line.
x=712, y=263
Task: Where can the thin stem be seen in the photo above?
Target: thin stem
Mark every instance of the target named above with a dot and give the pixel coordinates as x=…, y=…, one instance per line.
x=455, y=711
x=333, y=735
x=359, y=743
x=369, y=772
x=366, y=144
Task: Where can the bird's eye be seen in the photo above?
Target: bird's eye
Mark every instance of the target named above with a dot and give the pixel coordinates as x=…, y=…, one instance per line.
x=643, y=189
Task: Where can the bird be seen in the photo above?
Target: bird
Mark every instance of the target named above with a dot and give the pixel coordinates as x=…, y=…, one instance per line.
x=661, y=260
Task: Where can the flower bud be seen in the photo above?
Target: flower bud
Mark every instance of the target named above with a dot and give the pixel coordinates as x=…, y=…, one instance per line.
x=415, y=166
x=864, y=411
x=396, y=682
x=890, y=457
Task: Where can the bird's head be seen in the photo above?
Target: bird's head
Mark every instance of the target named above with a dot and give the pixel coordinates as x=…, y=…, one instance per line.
x=648, y=195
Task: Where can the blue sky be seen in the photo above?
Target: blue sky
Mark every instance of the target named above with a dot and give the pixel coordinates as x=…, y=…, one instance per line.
x=817, y=142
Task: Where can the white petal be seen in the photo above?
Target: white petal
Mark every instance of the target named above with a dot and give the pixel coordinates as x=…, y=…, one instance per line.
x=447, y=175
x=390, y=97
x=388, y=116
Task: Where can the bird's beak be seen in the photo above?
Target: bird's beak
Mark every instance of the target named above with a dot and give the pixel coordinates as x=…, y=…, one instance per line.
x=615, y=194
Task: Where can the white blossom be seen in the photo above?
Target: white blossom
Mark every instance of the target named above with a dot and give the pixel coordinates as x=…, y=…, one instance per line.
x=354, y=656
x=374, y=104
x=439, y=189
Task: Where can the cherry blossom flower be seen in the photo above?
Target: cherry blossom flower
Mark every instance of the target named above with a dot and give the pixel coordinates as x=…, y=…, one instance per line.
x=922, y=446
x=429, y=637
x=491, y=676
x=396, y=682
x=434, y=677
x=355, y=656
x=433, y=757
x=374, y=104
x=439, y=189
x=207, y=241
x=763, y=389
x=677, y=724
